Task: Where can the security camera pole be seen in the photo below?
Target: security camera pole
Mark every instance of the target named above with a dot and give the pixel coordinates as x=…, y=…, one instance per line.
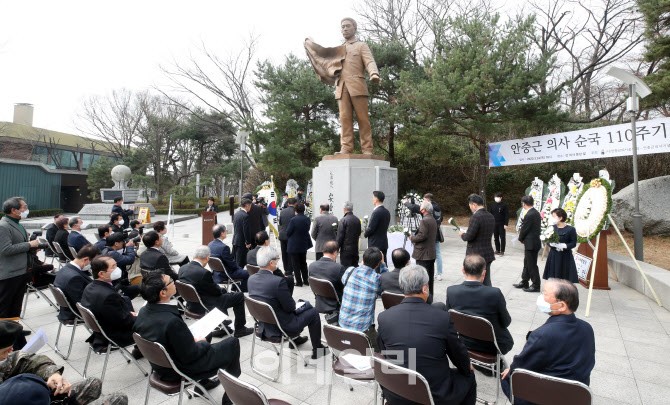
x=635, y=87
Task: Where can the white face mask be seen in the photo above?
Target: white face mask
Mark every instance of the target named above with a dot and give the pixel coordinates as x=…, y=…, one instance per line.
x=553, y=221
x=86, y=268
x=116, y=274
x=543, y=305
x=81, y=226
x=498, y=199
x=24, y=214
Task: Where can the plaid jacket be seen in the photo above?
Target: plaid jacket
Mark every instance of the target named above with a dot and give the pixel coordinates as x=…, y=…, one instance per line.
x=479, y=235
x=358, y=300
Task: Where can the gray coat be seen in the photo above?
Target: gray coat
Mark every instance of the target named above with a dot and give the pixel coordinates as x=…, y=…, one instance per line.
x=285, y=216
x=14, y=248
x=322, y=230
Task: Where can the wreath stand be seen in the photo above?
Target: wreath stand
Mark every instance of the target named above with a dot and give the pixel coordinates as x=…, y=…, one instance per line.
x=602, y=254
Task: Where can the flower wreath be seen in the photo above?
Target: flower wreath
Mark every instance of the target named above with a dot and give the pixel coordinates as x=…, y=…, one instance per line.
x=403, y=211
x=593, y=206
x=552, y=201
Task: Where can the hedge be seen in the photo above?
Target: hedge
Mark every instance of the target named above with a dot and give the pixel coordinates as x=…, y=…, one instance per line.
x=50, y=212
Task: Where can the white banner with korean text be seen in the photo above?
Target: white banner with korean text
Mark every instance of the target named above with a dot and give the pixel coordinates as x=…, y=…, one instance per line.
x=592, y=143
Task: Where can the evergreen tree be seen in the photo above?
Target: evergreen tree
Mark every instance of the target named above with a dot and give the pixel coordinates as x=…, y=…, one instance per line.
x=657, y=15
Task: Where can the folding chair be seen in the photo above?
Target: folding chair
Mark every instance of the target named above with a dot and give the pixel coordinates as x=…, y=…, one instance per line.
x=59, y=252
x=547, y=390
x=401, y=381
x=241, y=392
x=390, y=299
x=216, y=265
x=479, y=328
x=341, y=339
x=73, y=252
x=190, y=294
x=62, y=301
x=252, y=269
x=325, y=289
x=31, y=289
x=263, y=312
x=93, y=325
x=156, y=354
x=43, y=241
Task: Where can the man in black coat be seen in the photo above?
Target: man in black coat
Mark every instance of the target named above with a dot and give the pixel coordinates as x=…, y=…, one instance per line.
x=378, y=225
x=401, y=259
x=103, y=232
x=285, y=216
x=474, y=298
x=160, y=322
x=114, y=312
x=479, y=234
x=529, y=235
x=154, y=259
x=51, y=234
x=242, y=236
x=118, y=209
x=266, y=287
x=500, y=212
x=299, y=242
x=73, y=278
x=564, y=346
x=326, y=268
x=210, y=293
x=348, y=236
x=256, y=214
x=431, y=345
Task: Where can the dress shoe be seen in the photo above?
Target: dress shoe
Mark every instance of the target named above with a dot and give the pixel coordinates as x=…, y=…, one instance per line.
x=533, y=288
x=520, y=285
x=243, y=332
x=136, y=353
x=299, y=340
x=298, y=285
x=219, y=333
x=208, y=384
x=319, y=352
x=497, y=252
x=502, y=253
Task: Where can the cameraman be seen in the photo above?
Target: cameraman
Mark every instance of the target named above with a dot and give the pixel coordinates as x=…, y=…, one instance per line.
x=14, y=247
x=116, y=222
x=124, y=255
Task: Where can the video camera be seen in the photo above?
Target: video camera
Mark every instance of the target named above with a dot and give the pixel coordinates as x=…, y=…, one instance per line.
x=261, y=201
x=34, y=236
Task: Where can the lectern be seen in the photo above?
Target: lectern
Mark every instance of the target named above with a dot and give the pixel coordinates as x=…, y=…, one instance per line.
x=208, y=222
x=600, y=282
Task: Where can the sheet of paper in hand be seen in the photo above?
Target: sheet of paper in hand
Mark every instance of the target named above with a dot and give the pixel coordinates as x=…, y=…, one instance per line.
x=299, y=304
x=208, y=323
x=36, y=343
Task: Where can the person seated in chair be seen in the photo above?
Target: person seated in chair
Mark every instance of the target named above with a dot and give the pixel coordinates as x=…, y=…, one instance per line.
x=73, y=278
x=222, y=252
x=124, y=255
x=76, y=239
x=423, y=338
x=266, y=287
x=213, y=296
x=166, y=248
x=401, y=258
x=160, y=322
x=263, y=239
x=61, y=238
x=51, y=234
x=103, y=232
x=153, y=258
x=114, y=312
x=474, y=298
x=116, y=222
x=327, y=268
x=564, y=346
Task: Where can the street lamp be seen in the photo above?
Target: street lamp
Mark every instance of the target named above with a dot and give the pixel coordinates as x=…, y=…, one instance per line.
x=635, y=86
x=241, y=139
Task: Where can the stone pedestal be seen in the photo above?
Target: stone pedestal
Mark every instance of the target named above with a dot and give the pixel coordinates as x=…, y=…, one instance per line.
x=99, y=213
x=340, y=178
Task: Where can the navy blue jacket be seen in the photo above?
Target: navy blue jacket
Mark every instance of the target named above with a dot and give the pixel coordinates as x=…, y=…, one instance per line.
x=77, y=240
x=563, y=347
x=72, y=282
x=299, y=240
x=266, y=287
x=221, y=251
x=101, y=244
x=377, y=229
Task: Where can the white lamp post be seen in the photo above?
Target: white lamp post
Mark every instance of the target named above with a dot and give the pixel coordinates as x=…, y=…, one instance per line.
x=636, y=87
x=241, y=139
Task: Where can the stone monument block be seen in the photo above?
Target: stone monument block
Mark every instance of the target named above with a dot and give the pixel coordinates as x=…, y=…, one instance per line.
x=353, y=178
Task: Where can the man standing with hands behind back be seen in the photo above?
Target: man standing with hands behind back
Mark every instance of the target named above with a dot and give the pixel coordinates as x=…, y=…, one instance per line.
x=479, y=234
x=529, y=235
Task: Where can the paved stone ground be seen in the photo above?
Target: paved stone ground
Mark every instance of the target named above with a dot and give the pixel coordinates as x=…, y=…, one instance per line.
x=632, y=341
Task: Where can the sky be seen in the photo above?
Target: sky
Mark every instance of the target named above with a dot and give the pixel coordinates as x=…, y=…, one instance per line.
x=56, y=54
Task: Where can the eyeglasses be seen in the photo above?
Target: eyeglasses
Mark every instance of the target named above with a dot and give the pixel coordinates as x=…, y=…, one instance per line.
x=168, y=284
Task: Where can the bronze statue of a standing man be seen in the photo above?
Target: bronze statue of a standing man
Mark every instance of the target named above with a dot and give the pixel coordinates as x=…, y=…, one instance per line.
x=345, y=66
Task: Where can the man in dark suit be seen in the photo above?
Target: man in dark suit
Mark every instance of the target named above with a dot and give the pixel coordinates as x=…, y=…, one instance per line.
x=242, y=236
x=211, y=294
x=327, y=268
x=299, y=242
x=348, y=236
x=424, y=242
x=152, y=258
x=479, y=234
x=123, y=254
x=118, y=209
x=221, y=251
x=266, y=287
x=103, y=232
x=76, y=239
x=51, y=234
x=263, y=240
x=114, y=313
x=474, y=298
x=401, y=259
x=564, y=346
x=193, y=355
x=529, y=235
x=378, y=225
x=322, y=229
x=73, y=278
x=432, y=343
x=285, y=216
x=256, y=214
x=500, y=212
